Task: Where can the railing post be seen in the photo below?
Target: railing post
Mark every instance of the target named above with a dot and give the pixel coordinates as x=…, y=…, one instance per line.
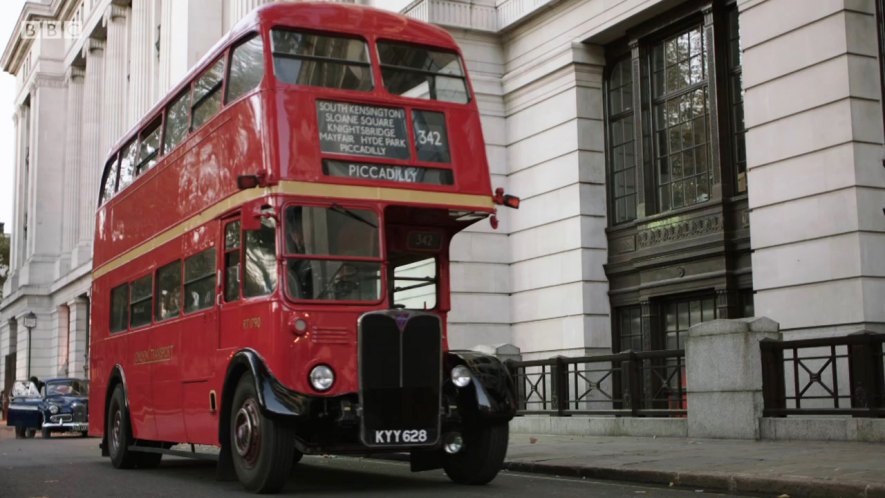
x=773, y=389
x=631, y=369
x=518, y=384
x=866, y=373
x=559, y=374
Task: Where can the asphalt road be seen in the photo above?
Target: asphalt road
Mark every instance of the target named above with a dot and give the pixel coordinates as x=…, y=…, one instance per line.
x=73, y=467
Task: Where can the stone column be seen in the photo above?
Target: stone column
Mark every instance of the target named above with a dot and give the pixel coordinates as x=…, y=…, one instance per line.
x=91, y=154
x=62, y=316
x=724, y=377
x=73, y=167
x=115, y=77
x=78, y=323
x=141, y=43
x=165, y=73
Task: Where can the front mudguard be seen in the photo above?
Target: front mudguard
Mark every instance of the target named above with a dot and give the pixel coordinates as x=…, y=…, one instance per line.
x=491, y=394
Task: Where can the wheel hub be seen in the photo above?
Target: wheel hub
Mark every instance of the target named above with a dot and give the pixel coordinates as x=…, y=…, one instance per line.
x=118, y=428
x=247, y=431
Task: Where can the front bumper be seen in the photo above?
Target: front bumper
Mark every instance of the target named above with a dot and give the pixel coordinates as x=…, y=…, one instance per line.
x=67, y=426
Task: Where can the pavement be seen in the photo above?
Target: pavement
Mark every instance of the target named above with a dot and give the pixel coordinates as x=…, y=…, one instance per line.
x=767, y=468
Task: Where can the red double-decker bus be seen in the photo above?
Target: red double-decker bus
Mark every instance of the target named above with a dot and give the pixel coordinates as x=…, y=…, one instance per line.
x=271, y=268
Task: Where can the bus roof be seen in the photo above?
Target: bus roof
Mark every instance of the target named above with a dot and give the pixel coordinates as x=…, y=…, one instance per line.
x=319, y=16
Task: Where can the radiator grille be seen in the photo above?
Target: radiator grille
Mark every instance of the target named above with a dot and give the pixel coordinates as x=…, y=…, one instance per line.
x=400, y=375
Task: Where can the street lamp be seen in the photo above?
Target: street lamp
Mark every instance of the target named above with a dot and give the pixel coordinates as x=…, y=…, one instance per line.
x=29, y=321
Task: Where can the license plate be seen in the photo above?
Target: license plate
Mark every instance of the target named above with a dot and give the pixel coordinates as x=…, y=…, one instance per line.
x=399, y=436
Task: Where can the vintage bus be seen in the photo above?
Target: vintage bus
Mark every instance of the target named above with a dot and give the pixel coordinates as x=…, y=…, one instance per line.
x=271, y=266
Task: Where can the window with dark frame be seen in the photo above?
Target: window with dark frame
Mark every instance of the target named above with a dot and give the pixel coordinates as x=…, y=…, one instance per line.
x=149, y=147
x=119, y=319
x=168, y=300
x=207, y=95
x=199, y=281
x=628, y=320
x=259, y=253
x=141, y=301
x=679, y=315
x=176, y=122
x=246, y=68
x=321, y=60
x=232, y=261
x=127, y=165
x=423, y=73
x=676, y=118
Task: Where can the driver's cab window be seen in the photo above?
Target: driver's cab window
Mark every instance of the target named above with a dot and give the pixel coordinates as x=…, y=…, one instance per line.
x=415, y=284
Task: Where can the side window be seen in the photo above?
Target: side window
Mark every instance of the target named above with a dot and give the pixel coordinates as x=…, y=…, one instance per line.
x=260, y=276
x=199, y=281
x=169, y=291
x=414, y=284
x=127, y=165
x=119, y=308
x=207, y=95
x=176, y=122
x=246, y=68
x=141, y=292
x=232, y=261
x=148, y=148
x=109, y=186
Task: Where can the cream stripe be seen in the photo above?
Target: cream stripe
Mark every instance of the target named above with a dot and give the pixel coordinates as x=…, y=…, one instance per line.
x=462, y=201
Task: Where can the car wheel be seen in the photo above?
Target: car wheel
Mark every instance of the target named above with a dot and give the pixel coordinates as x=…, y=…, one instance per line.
x=261, y=448
x=19, y=432
x=119, y=433
x=30, y=433
x=46, y=433
x=84, y=433
x=296, y=456
x=482, y=456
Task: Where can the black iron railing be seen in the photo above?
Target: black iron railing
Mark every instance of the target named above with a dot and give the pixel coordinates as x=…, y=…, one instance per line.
x=649, y=383
x=828, y=376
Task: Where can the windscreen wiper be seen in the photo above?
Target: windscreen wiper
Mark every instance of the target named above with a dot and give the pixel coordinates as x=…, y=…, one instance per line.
x=347, y=212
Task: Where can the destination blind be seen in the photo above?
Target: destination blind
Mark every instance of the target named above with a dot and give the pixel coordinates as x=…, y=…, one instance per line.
x=362, y=130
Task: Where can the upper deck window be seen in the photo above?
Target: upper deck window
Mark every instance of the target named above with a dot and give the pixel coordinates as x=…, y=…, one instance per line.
x=321, y=60
x=148, y=148
x=246, y=68
x=176, y=122
x=207, y=95
x=127, y=165
x=422, y=73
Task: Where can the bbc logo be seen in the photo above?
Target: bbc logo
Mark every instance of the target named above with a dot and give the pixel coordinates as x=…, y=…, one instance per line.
x=53, y=30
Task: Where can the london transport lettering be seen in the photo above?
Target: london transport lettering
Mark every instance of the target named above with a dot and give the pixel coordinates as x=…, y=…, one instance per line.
x=362, y=130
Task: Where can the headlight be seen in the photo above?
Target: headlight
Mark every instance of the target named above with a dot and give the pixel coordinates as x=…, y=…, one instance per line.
x=461, y=376
x=53, y=409
x=322, y=377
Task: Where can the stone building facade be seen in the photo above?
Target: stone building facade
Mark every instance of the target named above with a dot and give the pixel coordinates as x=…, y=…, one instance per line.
x=678, y=160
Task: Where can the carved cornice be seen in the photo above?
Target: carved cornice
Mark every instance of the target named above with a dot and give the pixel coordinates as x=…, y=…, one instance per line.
x=623, y=244
x=679, y=230
x=47, y=81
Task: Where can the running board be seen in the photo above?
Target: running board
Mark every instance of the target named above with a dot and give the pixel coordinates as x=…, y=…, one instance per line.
x=184, y=454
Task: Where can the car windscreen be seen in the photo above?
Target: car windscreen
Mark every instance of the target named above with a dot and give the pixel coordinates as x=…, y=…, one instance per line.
x=66, y=388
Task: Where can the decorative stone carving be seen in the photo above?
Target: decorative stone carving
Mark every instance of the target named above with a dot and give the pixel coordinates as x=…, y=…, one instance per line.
x=678, y=230
x=624, y=244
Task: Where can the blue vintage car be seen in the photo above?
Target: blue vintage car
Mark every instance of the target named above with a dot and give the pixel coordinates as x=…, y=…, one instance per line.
x=60, y=406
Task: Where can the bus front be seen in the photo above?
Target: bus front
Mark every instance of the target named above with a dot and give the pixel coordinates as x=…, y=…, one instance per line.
x=377, y=162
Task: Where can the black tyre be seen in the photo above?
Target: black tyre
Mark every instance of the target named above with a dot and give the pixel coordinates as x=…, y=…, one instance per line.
x=119, y=432
x=30, y=433
x=46, y=433
x=84, y=433
x=296, y=456
x=261, y=448
x=149, y=460
x=482, y=456
x=19, y=432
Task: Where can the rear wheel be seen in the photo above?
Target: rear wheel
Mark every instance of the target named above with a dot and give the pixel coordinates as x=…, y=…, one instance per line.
x=262, y=449
x=482, y=456
x=30, y=433
x=19, y=432
x=119, y=432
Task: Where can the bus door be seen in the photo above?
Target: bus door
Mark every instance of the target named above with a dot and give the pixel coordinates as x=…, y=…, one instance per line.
x=199, y=335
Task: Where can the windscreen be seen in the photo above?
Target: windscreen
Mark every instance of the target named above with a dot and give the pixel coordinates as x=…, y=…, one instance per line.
x=321, y=60
x=422, y=73
x=332, y=254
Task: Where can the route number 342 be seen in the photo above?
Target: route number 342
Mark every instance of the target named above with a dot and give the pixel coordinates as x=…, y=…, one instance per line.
x=429, y=137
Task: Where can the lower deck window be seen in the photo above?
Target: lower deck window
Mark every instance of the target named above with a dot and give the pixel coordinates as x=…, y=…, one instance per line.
x=199, y=281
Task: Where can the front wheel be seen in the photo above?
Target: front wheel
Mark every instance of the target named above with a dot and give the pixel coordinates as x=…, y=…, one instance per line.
x=482, y=456
x=19, y=432
x=47, y=434
x=262, y=449
x=119, y=432
x=30, y=433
